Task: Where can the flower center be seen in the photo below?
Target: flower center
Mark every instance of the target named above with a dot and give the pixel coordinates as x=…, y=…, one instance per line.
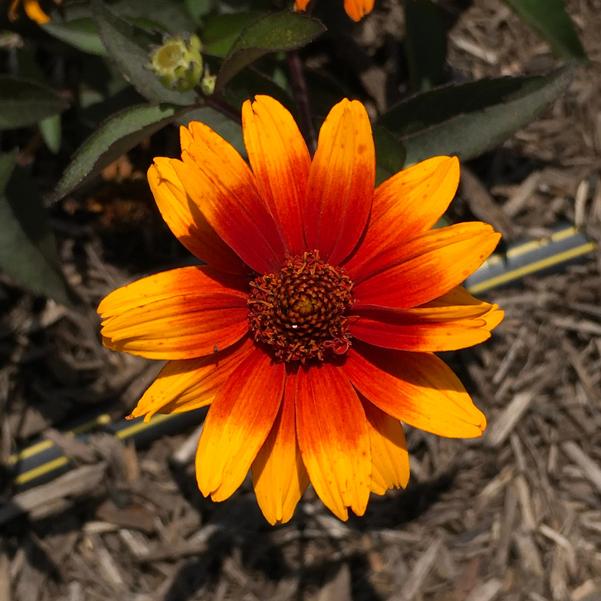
x=169, y=56
x=300, y=311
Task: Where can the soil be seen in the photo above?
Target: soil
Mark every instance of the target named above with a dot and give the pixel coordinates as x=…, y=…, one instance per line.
x=514, y=516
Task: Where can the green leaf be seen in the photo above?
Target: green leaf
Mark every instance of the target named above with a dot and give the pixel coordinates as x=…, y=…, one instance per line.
x=551, y=21
x=120, y=133
x=271, y=33
x=122, y=40
x=221, y=31
x=27, y=246
x=168, y=15
x=50, y=128
x=390, y=153
x=425, y=42
x=24, y=102
x=249, y=83
x=76, y=27
x=199, y=8
x=224, y=126
x=471, y=118
x=81, y=33
x=326, y=90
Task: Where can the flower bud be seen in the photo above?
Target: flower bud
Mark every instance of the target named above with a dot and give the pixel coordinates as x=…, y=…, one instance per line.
x=207, y=84
x=178, y=63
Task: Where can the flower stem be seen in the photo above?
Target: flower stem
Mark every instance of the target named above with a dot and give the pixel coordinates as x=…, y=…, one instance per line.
x=301, y=95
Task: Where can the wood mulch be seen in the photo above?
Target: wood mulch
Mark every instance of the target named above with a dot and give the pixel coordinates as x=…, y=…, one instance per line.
x=515, y=516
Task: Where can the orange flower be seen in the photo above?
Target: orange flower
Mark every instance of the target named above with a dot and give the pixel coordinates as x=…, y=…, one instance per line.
x=32, y=9
x=312, y=327
x=355, y=9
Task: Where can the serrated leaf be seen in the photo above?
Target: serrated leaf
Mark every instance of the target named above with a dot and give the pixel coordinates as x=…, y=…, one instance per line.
x=132, y=56
x=24, y=102
x=551, y=21
x=118, y=134
x=27, y=246
x=271, y=33
x=469, y=119
x=425, y=42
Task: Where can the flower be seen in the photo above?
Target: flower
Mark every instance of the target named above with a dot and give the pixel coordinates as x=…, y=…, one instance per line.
x=311, y=330
x=32, y=9
x=355, y=9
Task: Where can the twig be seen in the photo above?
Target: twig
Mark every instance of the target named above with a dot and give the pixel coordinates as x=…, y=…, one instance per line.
x=505, y=422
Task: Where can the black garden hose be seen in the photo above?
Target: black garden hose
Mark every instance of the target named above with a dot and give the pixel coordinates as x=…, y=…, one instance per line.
x=44, y=460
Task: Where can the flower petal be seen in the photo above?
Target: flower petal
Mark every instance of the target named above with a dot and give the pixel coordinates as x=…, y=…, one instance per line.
x=357, y=9
x=34, y=12
x=404, y=206
x=416, y=388
x=333, y=438
x=435, y=326
x=279, y=476
x=239, y=420
x=426, y=267
x=186, y=220
x=341, y=181
x=177, y=314
x=223, y=188
x=191, y=383
x=301, y=4
x=389, y=455
x=280, y=161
